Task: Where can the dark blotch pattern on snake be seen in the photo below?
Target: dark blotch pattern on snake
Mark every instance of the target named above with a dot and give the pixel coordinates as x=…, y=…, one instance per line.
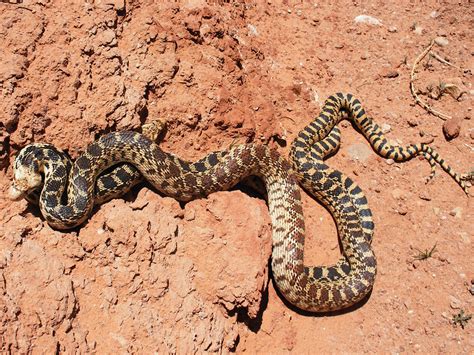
x=95, y=176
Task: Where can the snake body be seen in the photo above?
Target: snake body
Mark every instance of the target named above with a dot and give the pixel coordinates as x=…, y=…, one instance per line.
x=95, y=176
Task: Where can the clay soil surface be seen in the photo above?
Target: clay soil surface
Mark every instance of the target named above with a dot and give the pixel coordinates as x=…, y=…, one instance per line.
x=146, y=273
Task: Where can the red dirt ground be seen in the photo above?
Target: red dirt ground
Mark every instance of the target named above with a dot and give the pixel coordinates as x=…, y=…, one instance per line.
x=149, y=274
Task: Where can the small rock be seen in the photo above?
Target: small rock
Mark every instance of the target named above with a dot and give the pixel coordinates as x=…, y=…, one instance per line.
x=426, y=139
x=389, y=73
x=107, y=38
x=389, y=161
x=392, y=29
x=398, y=194
x=456, y=212
x=368, y=20
x=441, y=41
x=385, y=128
x=402, y=209
x=434, y=14
x=436, y=210
x=454, y=302
x=418, y=30
x=442, y=33
x=424, y=196
x=445, y=315
x=339, y=46
x=252, y=30
x=451, y=128
x=119, y=5
x=412, y=121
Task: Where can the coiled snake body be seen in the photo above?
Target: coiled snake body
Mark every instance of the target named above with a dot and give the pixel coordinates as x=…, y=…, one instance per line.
x=316, y=288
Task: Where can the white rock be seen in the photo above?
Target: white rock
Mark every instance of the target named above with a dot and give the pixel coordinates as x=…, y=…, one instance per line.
x=418, y=30
x=455, y=303
x=252, y=30
x=441, y=41
x=385, y=127
x=368, y=20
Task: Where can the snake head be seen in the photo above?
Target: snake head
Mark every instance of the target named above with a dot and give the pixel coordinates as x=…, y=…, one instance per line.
x=27, y=172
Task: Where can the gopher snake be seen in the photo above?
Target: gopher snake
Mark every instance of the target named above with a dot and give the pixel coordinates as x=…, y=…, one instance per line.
x=316, y=289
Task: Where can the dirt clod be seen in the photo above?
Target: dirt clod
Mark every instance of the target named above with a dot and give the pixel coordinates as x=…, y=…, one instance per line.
x=451, y=128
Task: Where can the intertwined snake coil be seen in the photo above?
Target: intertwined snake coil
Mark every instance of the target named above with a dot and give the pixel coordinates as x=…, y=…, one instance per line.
x=315, y=288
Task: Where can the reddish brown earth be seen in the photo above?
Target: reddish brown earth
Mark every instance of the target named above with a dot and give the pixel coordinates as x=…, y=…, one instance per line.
x=149, y=274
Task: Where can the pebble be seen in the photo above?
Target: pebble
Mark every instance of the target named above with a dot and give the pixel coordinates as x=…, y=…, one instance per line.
x=119, y=5
x=412, y=121
x=442, y=32
x=454, y=302
x=418, y=30
x=451, y=128
x=389, y=161
x=389, y=73
x=441, y=41
x=426, y=139
x=392, y=29
x=252, y=30
x=368, y=20
x=402, y=209
x=445, y=315
x=456, y=212
x=398, y=194
x=385, y=128
x=424, y=196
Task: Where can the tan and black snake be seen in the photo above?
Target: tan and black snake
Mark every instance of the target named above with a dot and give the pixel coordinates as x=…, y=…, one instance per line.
x=95, y=176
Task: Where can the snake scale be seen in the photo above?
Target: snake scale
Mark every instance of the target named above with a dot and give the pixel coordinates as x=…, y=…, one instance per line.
x=118, y=160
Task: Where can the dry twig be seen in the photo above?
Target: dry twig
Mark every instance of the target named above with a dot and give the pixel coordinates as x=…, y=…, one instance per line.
x=413, y=90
